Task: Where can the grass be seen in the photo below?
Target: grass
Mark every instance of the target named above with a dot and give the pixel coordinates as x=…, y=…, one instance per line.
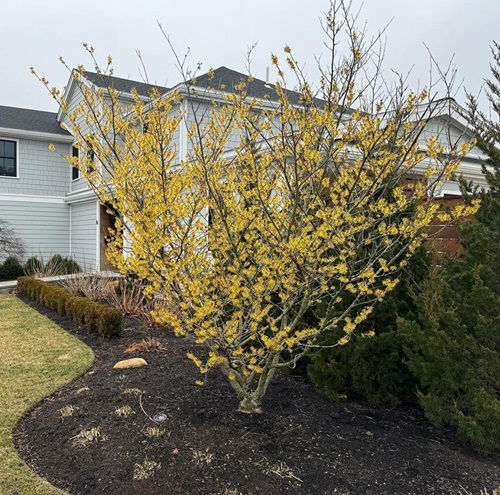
x=37, y=358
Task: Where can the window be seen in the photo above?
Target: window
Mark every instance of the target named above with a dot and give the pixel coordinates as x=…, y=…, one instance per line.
x=8, y=158
x=75, y=172
x=90, y=157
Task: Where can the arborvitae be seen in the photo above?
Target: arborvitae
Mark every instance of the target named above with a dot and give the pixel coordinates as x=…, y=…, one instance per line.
x=453, y=345
x=373, y=368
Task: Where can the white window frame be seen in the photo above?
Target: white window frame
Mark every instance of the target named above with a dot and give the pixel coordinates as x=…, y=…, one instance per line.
x=5, y=138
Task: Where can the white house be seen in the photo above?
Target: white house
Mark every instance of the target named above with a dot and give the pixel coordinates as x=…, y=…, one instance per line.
x=52, y=209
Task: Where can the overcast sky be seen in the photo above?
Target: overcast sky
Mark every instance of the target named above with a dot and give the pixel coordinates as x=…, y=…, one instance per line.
x=37, y=32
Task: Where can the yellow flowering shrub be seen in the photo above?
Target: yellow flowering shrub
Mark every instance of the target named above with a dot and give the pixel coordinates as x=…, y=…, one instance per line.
x=240, y=240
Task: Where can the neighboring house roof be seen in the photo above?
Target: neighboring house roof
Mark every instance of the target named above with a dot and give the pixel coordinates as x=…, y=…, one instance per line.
x=121, y=84
x=30, y=120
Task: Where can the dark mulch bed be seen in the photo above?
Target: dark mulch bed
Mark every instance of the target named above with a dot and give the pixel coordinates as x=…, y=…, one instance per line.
x=302, y=444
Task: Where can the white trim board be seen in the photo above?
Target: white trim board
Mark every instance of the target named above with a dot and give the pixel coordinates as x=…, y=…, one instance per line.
x=80, y=195
x=98, y=237
x=30, y=198
x=37, y=136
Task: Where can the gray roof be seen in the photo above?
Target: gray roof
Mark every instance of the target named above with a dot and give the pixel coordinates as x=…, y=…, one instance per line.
x=225, y=79
x=121, y=84
x=30, y=120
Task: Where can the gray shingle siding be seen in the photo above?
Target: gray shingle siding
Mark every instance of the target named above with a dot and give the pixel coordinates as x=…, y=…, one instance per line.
x=41, y=172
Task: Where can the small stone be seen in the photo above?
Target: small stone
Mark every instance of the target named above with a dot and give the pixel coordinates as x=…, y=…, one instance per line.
x=369, y=433
x=175, y=452
x=130, y=363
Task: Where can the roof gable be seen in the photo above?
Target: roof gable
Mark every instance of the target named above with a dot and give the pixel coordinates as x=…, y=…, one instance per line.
x=121, y=84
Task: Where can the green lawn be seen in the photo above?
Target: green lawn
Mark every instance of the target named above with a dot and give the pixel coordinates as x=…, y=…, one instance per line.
x=36, y=358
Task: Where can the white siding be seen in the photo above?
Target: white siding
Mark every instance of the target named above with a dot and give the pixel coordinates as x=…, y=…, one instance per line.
x=447, y=133
x=42, y=226
x=84, y=228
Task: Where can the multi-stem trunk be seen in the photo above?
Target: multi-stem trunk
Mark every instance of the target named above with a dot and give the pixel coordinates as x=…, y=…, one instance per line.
x=251, y=390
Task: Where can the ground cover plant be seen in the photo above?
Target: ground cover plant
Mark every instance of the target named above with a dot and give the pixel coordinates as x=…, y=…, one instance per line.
x=313, y=205
x=37, y=358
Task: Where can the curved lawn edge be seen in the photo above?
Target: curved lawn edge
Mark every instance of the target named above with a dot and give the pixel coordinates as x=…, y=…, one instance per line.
x=37, y=358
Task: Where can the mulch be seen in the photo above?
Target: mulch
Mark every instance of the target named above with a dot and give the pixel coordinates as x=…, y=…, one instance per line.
x=301, y=444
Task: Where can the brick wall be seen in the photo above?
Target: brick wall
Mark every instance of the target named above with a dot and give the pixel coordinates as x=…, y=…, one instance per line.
x=446, y=238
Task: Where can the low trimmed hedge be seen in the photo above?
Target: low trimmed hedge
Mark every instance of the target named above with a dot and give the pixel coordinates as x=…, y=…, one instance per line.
x=96, y=317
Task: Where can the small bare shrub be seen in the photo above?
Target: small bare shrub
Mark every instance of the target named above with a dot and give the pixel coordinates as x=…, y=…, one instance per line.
x=10, y=243
x=124, y=411
x=86, y=437
x=127, y=298
x=67, y=411
x=132, y=391
x=282, y=470
x=146, y=469
x=150, y=344
x=155, y=432
x=201, y=457
x=148, y=309
x=484, y=491
x=88, y=285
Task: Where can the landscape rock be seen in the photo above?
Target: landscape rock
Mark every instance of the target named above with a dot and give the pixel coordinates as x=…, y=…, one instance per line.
x=130, y=363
